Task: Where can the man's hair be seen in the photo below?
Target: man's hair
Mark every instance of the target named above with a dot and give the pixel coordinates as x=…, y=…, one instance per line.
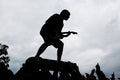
x=65, y=12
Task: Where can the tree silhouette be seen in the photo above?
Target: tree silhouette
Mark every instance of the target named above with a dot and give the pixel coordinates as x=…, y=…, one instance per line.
x=5, y=73
x=4, y=58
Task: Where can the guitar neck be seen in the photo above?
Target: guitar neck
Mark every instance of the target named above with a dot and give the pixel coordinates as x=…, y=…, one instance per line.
x=69, y=32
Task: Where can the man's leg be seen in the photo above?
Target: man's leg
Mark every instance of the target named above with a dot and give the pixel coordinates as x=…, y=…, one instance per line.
x=59, y=44
x=41, y=49
x=59, y=52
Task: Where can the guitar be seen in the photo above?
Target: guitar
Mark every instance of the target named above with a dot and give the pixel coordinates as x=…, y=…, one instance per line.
x=69, y=32
x=64, y=34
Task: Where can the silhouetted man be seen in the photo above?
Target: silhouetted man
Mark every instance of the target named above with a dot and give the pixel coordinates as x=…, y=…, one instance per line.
x=51, y=33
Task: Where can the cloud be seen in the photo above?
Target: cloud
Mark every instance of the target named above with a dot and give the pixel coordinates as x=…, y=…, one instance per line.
x=99, y=28
x=96, y=21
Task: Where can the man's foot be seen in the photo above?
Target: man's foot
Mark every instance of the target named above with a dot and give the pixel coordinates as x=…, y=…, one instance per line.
x=38, y=58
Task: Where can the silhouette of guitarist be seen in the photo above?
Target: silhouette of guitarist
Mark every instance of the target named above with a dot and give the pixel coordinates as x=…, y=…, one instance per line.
x=51, y=33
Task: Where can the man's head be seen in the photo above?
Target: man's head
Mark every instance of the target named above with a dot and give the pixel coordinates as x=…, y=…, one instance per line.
x=65, y=14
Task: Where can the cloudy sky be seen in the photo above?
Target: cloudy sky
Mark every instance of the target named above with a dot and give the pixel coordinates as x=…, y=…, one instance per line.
x=96, y=21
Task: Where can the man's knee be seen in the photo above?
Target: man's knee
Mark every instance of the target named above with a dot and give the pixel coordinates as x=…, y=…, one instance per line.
x=59, y=45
